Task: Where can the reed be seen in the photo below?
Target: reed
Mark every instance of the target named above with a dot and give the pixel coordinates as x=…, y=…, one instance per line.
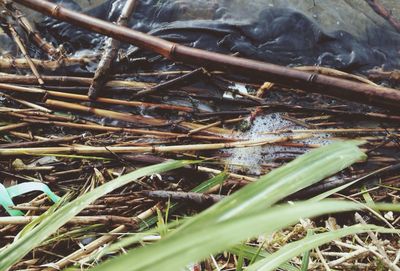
x=13, y=126
x=8, y=87
x=8, y=28
x=385, y=13
x=69, y=81
x=33, y=35
x=152, y=149
x=107, y=113
x=96, y=127
x=52, y=65
x=342, y=88
x=129, y=117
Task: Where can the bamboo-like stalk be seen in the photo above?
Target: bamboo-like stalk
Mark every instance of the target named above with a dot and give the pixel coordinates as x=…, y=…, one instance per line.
x=14, y=34
x=382, y=11
x=58, y=94
x=385, y=97
x=22, y=63
x=29, y=30
x=110, y=52
x=336, y=130
x=69, y=81
x=336, y=73
x=96, y=127
x=232, y=175
x=42, y=142
x=13, y=126
x=153, y=149
x=26, y=103
x=196, y=130
x=126, y=117
x=178, y=81
x=107, y=113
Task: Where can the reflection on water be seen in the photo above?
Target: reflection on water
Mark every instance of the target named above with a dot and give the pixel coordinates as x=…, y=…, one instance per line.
x=344, y=34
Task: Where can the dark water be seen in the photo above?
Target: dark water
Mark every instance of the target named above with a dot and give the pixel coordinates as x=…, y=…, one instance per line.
x=277, y=35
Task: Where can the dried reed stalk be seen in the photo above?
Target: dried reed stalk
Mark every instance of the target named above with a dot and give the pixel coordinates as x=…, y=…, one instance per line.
x=21, y=63
x=69, y=81
x=8, y=87
x=96, y=127
x=33, y=35
x=92, y=246
x=15, y=36
x=152, y=149
x=13, y=126
x=128, y=117
x=107, y=113
x=382, y=11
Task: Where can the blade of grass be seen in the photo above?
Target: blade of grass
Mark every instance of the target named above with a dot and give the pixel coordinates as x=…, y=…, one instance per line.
x=52, y=223
x=280, y=183
x=203, y=187
x=294, y=249
x=344, y=186
x=306, y=255
x=256, y=254
x=177, y=250
x=130, y=240
x=252, y=200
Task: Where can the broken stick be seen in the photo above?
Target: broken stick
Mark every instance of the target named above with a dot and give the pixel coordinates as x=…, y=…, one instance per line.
x=110, y=52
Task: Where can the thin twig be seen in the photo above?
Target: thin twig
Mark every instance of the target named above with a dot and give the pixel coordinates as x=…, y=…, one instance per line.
x=110, y=52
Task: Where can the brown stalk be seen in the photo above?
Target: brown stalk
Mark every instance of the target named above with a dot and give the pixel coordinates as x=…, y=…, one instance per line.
x=96, y=127
x=153, y=149
x=126, y=116
x=33, y=35
x=197, y=198
x=26, y=103
x=183, y=79
x=24, y=52
x=92, y=246
x=13, y=126
x=382, y=11
x=110, y=52
x=21, y=63
x=68, y=81
x=107, y=113
x=342, y=88
x=85, y=98
x=46, y=142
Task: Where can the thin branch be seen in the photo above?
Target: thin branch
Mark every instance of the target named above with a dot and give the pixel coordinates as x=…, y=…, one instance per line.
x=110, y=52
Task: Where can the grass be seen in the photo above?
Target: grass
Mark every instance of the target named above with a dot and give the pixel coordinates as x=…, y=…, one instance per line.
x=249, y=212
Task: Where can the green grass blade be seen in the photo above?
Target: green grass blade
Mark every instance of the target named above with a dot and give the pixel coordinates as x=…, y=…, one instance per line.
x=306, y=255
x=52, y=223
x=255, y=254
x=177, y=250
x=242, y=214
x=294, y=249
x=203, y=187
x=280, y=183
x=130, y=240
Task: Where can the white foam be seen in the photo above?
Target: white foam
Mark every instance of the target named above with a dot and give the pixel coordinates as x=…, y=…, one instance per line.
x=251, y=160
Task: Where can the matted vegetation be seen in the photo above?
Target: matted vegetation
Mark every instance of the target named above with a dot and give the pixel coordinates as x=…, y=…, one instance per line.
x=190, y=168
